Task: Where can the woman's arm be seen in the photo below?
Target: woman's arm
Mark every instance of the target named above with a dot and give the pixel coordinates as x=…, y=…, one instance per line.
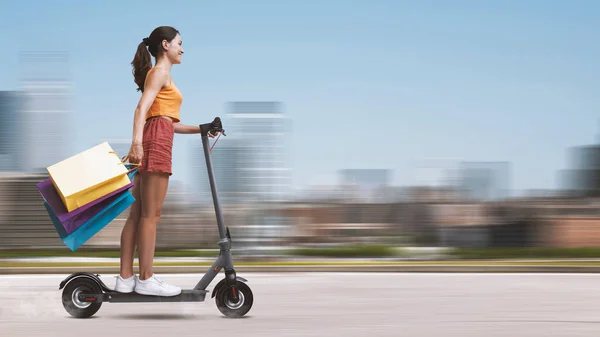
x=186, y=129
x=154, y=83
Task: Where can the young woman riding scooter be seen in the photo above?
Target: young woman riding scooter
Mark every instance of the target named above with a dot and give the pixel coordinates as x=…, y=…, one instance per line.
x=156, y=120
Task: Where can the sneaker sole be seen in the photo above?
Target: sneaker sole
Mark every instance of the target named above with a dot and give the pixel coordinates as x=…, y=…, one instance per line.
x=154, y=294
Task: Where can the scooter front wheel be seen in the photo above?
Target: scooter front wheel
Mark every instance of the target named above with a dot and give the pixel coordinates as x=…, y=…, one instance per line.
x=71, y=302
x=230, y=307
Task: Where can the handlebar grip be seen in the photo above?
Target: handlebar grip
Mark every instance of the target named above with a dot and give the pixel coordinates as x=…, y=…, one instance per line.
x=212, y=127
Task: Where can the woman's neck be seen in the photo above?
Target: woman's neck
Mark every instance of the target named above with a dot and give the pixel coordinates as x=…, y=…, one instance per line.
x=163, y=62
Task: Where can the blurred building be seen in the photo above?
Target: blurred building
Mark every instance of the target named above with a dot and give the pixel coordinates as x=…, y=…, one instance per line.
x=316, y=193
x=250, y=163
x=12, y=135
x=46, y=112
x=227, y=158
x=251, y=172
x=263, y=176
x=583, y=176
x=485, y=181
x=574, y=225
x=24, y=221
x=364, y=184
x=263, y=131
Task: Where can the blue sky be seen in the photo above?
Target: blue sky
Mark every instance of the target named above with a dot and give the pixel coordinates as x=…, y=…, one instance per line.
x=368, y=84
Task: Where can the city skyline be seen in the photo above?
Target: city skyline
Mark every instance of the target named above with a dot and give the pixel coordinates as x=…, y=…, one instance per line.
x=493, y=81
x=442, y=175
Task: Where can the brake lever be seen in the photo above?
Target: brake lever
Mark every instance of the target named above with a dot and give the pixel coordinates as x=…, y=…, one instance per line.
x=213, y=127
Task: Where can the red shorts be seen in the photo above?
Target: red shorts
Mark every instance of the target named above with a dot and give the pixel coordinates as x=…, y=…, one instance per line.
x=158, y=145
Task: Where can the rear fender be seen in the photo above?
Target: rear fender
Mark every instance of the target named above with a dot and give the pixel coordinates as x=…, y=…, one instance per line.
x=93, y=277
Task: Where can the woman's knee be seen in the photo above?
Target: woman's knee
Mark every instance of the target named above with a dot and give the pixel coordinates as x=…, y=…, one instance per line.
x=133, y=218
x=153, y=215
x=135, y=212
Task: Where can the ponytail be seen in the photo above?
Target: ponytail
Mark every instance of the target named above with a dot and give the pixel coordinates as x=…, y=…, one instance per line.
x=150, y=46
x=141, y=63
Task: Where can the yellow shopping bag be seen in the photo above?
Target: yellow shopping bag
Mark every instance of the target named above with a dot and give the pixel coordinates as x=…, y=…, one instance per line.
x=88, y=175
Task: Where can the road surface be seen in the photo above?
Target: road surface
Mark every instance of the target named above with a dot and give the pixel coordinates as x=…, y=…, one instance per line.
x=335, y=304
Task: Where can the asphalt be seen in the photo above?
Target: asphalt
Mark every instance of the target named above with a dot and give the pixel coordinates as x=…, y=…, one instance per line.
x=329, y=304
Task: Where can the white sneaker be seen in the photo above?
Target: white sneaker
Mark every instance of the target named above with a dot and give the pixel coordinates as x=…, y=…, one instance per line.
x=125, y=285
x=156, y=286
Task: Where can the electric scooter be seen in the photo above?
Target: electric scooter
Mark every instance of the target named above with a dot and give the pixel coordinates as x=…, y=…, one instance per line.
x=83, y=293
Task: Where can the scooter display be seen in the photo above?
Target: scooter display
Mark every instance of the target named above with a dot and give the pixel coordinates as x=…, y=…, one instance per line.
x=83, y=293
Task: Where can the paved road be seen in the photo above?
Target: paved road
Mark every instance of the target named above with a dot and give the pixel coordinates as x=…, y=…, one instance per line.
x=336, y=304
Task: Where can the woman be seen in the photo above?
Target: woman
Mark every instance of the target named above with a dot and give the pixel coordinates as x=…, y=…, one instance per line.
x=155, y=123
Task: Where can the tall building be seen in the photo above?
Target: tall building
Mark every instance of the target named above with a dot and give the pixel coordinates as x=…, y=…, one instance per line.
x=11, y=132
x=583, y=176
x=485, y=180
x=226, y=159
x=46, y=120
x=250, y=166
x=262, y=130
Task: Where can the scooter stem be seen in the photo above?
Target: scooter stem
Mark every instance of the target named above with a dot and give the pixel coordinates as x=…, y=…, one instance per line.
x=213, y=188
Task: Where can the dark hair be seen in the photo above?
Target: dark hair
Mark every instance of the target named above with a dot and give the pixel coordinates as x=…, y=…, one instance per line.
x=150, y=45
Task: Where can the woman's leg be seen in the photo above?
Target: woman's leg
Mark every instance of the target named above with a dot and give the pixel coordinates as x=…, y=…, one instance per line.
x=153, y=191
x=129, y=233
x=156, y=171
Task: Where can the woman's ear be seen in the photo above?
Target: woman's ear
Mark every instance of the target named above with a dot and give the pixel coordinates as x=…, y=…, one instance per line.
x=165, y=45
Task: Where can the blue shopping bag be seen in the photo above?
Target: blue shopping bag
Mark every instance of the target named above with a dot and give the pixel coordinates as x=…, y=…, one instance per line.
x=116, y=205
x=103, y=214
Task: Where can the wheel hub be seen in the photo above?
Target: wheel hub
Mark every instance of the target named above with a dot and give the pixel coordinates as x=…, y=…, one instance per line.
x=233, y=306
x=76, y=301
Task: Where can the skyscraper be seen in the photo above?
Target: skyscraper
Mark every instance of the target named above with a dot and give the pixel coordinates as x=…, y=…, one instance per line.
x=250, y=166
x=11, y=133
x=46, y=111
x=226, y=158
x=583, y=177
x=262, y=129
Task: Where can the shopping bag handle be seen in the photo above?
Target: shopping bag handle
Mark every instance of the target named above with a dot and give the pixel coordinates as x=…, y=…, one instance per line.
x=124, y=159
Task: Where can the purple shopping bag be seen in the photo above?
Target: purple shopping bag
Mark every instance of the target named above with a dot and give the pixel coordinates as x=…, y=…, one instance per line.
x=73, y=220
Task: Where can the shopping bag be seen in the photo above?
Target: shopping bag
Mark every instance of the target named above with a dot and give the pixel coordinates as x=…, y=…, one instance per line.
x=88, y=175
x=70, y=221
x=100, y=215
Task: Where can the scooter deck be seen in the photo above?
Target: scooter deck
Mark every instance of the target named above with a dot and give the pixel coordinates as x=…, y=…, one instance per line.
x=117, y=297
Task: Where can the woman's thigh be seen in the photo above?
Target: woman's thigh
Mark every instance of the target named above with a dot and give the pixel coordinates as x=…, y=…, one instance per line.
x=153, y=191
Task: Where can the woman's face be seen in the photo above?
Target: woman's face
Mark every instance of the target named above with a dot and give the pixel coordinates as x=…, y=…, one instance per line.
x=174, y=49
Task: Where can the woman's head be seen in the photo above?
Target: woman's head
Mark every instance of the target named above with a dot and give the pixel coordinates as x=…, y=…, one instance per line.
x=163, y=42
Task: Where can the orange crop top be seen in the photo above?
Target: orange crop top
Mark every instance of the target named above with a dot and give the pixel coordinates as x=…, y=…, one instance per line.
x=167, y=102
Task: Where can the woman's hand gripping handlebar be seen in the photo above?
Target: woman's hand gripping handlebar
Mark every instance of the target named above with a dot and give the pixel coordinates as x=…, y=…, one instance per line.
x=212, y=129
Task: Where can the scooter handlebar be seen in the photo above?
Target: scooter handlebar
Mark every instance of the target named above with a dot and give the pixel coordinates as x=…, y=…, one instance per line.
x=213, y=127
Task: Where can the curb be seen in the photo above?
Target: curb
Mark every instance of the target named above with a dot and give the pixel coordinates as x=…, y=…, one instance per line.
x=315, y=268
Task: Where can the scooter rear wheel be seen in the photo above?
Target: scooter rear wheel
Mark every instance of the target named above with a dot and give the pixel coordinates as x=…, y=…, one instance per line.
x=71, y=302
x=232, y=309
